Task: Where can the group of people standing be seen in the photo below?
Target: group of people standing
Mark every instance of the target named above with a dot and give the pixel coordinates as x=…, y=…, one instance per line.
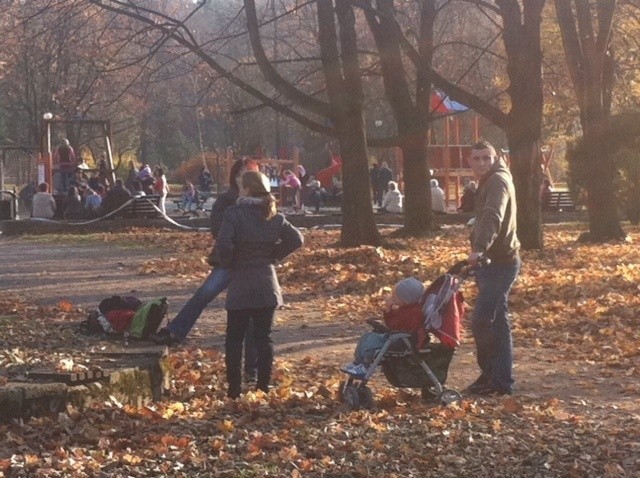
x=251, y=237
x=388, y=197
x=143, y=181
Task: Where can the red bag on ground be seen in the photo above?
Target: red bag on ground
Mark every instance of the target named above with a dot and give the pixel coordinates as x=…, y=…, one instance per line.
x=121, y=319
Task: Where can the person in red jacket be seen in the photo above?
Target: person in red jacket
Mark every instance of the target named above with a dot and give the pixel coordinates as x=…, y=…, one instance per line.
x=403, y=313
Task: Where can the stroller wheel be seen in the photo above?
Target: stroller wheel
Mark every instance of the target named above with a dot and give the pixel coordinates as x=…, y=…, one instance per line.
x=428, y=394
x=348, y=394
x=448, y=396
x=366, y=397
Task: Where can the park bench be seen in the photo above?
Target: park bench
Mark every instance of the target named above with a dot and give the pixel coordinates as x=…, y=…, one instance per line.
x=141, y=206
x=560, y=201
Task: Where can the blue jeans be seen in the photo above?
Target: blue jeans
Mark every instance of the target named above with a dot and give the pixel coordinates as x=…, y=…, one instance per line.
x=217, y=281
x=491, y=325
x=180, y=327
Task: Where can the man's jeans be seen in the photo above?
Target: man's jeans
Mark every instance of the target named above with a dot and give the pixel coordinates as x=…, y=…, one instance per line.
x=491, y=325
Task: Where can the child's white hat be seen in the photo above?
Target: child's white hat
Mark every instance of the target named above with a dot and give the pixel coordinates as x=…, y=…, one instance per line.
x=409, y=290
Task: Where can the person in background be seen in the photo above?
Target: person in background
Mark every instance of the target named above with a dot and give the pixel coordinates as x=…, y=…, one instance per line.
x=205, y=181
x=545, y=195
x=116, y=197
x=104, y=172
x=302, y=174
x=132, y=175
x=43, y=205
x=384, y=176
x=72, y=206
x=101, y=191
x=161, y=188
x=253, y=238
x=79, y=180
x=137, y=189
x=145, y=176
x=188, y=197
x=316, y=192
x=392, y=201
x=292, y=183
x=26, y=195
x=94, y=181
x=467, y=201
x=92, y=202
x=65, y=158
x=494, y=236
x=438, y=203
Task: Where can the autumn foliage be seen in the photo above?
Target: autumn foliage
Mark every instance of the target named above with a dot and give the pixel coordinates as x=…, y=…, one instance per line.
x=575, y=310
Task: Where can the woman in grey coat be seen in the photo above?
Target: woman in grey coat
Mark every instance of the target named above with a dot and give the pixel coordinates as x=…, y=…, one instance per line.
x=252, y=238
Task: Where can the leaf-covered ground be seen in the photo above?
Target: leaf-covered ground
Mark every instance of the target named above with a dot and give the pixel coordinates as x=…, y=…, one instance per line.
x=577, y=304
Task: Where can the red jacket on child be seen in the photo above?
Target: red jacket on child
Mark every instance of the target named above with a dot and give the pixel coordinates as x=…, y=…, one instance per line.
x=408, y=318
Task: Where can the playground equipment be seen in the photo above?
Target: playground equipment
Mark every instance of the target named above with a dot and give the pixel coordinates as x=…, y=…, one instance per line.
x=17, y=174
x=325, y=176
x=46, y=170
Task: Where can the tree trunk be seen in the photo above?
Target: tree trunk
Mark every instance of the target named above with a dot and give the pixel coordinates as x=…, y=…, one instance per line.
x=358, y=224
x=344, y=88
x=411, y=116
x=604, y=220
x=527, y=176
x=418, y=216
x=590, y=61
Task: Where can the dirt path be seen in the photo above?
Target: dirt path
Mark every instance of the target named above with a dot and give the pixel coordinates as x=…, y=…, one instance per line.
x=44, y=271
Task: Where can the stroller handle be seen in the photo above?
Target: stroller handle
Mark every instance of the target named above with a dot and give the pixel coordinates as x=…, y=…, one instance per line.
x=462, y=268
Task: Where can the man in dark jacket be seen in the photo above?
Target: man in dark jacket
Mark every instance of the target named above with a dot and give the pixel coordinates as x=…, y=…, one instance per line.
x=116, y=197
x=494, y=237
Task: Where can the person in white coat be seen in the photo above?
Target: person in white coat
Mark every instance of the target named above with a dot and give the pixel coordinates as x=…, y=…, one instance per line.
x=437, y=197
x=392, y=201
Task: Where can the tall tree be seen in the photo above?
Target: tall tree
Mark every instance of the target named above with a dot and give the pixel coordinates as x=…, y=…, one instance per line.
x=411, y=112
x=586, y=28
x=339, y=58
x=522, y=123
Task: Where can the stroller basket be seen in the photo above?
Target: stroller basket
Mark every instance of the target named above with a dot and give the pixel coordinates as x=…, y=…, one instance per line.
x=403, y=371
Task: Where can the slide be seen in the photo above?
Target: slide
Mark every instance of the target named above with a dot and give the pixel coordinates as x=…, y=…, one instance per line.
x=325, y=176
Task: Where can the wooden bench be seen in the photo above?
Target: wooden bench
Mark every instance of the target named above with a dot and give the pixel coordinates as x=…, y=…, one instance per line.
x=559, y=201
x=141, y=207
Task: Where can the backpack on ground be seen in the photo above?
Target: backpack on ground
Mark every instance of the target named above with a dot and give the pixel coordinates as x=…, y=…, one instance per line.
x=116, y=302
x=148, y=318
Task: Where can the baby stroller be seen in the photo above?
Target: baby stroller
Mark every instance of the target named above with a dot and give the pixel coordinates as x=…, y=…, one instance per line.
x=427, y=368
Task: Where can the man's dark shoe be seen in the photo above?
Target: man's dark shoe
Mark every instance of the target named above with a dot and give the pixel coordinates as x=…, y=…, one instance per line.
x=480, y=386
x=164, y=337
x=494, y=392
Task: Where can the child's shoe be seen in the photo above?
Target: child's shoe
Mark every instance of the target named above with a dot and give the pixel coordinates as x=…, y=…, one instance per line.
x=355, y=370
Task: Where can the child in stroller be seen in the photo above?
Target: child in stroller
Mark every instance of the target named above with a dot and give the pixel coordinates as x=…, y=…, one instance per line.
x=402, y=344
x=402, y=312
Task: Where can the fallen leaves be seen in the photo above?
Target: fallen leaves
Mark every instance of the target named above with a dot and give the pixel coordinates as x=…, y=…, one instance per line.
x=578, y=301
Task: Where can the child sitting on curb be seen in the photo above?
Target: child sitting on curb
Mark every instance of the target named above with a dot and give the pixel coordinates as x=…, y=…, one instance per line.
x=402, y=312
